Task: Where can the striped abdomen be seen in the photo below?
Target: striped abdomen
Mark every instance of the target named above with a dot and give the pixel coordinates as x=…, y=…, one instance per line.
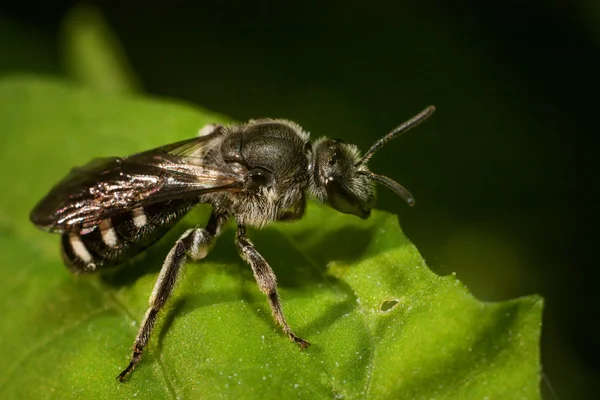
x=121, y=237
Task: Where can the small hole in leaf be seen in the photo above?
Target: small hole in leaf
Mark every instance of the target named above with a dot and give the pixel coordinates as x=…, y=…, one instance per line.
x=388, y=305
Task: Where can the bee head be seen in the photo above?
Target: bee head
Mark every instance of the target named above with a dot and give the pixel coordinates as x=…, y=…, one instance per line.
x=341, y=178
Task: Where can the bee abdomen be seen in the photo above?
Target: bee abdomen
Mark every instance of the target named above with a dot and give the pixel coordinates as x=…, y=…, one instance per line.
x=122, y=236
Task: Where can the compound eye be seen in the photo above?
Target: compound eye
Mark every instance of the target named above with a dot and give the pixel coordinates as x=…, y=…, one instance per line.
x=334, y=159
x=335, y=151
x=260, y=177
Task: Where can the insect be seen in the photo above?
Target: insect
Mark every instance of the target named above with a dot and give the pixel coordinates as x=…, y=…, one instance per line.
x=258, y=172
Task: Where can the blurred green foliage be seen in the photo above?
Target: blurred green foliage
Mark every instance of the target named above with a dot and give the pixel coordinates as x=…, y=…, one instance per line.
x=92, y=54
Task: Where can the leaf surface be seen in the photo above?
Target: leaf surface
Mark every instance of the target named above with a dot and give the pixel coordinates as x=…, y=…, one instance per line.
x=381, y=324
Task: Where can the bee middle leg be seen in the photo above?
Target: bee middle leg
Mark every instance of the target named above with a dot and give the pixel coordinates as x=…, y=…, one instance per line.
x=267, y=282
x=193, y=243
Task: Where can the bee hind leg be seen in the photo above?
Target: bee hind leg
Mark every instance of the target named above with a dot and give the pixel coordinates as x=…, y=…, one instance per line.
x=193, y=243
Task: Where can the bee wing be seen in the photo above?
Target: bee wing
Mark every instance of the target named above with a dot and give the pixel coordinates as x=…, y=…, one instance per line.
x=106, y=187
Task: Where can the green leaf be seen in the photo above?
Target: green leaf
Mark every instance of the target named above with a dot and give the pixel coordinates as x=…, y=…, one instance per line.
x=92, y=52
x=382, y=325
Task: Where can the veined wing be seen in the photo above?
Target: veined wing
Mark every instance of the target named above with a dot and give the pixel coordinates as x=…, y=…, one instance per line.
x=106, y=187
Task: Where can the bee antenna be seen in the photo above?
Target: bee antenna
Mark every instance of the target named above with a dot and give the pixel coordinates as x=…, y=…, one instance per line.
x=391, y=184
x=404, y=127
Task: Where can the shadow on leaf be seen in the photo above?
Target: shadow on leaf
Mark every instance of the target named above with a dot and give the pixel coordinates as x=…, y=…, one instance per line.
x=298, y=253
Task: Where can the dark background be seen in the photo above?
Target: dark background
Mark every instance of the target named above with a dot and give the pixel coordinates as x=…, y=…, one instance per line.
x=504, y=173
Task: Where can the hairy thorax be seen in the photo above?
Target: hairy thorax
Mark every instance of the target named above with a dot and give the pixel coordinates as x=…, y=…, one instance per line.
x=274, y=159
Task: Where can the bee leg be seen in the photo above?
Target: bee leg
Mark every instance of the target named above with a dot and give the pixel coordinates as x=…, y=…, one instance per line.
x=267, y=282
x=193, y=243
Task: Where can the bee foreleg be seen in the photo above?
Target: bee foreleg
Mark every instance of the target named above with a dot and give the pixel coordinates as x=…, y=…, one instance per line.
x=193, y=243
x=267, y=282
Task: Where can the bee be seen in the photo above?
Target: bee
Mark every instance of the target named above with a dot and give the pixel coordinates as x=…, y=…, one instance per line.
x=258, y=172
